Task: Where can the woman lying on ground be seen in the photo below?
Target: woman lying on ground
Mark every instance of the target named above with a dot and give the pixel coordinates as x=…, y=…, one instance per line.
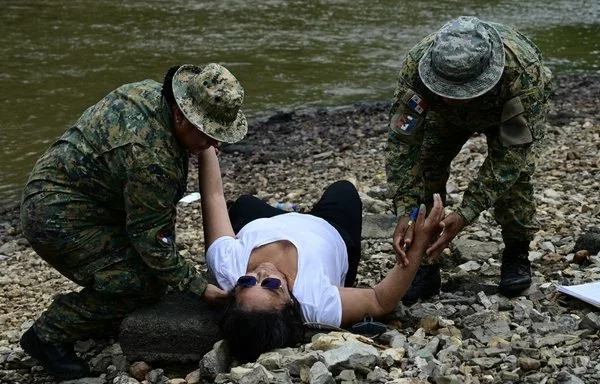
x=283, y=269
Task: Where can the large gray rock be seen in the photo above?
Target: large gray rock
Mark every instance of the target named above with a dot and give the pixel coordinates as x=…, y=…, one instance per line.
x=378, y=226
x=567, y=378
x=591, y=321
x=179, y=329
x=352, y=355
x=474, y=250
x=589, y=240
x=484, y=325
x=215, y=361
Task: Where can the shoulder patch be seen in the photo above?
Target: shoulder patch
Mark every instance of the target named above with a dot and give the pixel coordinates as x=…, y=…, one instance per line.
x=406, y=127
x=415, y=102
x=404, y=123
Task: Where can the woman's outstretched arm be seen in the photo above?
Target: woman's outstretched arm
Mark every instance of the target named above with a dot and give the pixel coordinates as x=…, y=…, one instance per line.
x=215, y=218
x=384, y=297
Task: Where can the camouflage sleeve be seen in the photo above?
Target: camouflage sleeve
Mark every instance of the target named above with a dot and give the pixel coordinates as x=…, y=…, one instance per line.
x=510, y=151
x=403, y=150
x=498, y=173
x=150, y=195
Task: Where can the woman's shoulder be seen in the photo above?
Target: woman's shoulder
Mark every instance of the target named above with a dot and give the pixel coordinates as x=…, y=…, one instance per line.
x=319, y=302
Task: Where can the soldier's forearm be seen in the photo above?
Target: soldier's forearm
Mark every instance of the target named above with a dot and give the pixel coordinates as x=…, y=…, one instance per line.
x=469, y=211
x=499, y=172
x=172, y=269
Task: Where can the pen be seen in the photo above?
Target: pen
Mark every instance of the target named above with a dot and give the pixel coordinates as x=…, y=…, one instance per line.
x=411, y=220
x=413, y=216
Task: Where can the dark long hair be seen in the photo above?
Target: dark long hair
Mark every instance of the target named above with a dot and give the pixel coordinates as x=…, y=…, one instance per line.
x=248, y=333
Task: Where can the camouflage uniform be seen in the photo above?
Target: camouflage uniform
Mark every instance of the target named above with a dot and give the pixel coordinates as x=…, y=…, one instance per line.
x=99, y=206
x=428, y=134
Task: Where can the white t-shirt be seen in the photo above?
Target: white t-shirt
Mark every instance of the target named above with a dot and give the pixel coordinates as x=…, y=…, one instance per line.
x=322, y=260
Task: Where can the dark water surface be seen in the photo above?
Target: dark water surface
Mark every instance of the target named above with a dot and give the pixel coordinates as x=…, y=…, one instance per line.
x=58, y=57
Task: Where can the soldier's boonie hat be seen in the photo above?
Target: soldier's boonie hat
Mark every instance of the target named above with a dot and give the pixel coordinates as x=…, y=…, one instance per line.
x=465, y=59
x=210, y=98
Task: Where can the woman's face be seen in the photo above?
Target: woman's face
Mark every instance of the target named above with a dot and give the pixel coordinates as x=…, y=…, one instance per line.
x=261, y=297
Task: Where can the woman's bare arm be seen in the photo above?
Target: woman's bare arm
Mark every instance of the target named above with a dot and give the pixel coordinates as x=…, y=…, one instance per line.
x=384, y=297
x=215, y=218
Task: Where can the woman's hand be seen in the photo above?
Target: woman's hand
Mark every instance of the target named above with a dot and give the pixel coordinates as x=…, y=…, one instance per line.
x=208, y=153
x=426, y=228
x=402, y=239
x=214, y=295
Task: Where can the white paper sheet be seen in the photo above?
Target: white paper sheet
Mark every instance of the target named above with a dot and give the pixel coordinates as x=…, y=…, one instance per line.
x=190, y=198
x=590, y=292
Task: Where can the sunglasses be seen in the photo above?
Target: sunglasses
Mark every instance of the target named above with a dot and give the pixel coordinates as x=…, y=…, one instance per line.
x=267, y=282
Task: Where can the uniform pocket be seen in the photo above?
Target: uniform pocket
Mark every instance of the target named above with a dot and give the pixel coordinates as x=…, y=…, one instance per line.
x=514, y=127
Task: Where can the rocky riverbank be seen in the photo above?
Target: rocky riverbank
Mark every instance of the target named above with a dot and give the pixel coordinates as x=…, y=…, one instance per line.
x=468, y=334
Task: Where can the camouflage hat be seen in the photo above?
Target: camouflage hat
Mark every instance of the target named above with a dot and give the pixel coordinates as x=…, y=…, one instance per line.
x=210, y=98
x=465, y=59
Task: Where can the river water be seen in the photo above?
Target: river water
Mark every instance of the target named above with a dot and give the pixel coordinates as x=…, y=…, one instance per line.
x=57, y=57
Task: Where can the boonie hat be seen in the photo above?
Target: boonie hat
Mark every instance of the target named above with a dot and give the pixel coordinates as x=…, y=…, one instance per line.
x=465, y=59
x=210, y=98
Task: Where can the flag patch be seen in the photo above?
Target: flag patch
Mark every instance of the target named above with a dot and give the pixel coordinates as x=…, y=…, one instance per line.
x=165, y=237
x=406, y=123
x=417, y=104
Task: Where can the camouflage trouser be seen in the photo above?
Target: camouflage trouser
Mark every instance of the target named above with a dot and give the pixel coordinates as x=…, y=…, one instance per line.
x=115, y=280
x=514, y=210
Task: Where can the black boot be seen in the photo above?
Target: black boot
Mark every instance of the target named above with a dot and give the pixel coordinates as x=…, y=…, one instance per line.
x=515, y=273
x=427, y=283
x=59, y=361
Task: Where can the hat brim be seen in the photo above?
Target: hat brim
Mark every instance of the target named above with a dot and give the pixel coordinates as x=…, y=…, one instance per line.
x=473, y=88
x=228, y=133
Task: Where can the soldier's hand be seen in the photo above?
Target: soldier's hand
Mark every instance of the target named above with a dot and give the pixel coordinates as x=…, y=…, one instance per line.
x=402, y=238
x=214, y=295
x=427, y=228
x=451, y=226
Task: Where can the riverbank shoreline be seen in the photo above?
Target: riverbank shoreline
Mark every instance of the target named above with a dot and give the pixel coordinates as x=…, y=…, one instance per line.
x=565, y=86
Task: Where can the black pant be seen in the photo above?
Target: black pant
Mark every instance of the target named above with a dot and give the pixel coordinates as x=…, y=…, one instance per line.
x=340, y=206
